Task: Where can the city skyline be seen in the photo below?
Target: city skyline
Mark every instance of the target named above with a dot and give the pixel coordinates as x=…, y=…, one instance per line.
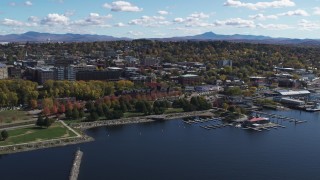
x=149, y=19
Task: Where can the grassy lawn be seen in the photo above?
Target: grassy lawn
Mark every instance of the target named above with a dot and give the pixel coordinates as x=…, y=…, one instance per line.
x=34, y=133
x=132, y=114
x=10, y=116
x=173, y=110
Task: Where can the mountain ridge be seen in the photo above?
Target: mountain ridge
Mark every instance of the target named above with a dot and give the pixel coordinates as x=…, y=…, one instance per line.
x=33, y=36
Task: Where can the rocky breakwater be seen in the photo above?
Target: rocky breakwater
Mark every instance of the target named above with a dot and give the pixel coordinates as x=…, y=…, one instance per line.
x=144, y=119
x=44, y=144
x=88, y=125
x=74, y=173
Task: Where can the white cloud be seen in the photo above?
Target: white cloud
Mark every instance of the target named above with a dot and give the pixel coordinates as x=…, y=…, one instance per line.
x=200, y=15
x=263, y=17
x=16, y=23
x=307, y=25
x=194, y=20
x=122, y=6
x=178, y=20
x=163, y=12
x=28, y=3
x=236, y=22
x=135, y=33
x=260, y=5
x=11, y=22
x=316, y=11
x=69, y=13
x=150, y=21
x=55, y=19
x=274, y=26
x=298, y=12
x=94, y=19
x=120, y=24
x=33, y=19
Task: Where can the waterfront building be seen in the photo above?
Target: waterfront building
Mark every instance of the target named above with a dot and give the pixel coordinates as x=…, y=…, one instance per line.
x=291, y=102
x=256, y=122
x=292, y=93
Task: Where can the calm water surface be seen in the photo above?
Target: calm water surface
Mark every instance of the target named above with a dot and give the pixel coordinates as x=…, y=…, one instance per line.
x=173, y=150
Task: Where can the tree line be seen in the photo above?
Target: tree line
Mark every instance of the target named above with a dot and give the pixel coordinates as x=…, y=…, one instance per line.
x=15, y=92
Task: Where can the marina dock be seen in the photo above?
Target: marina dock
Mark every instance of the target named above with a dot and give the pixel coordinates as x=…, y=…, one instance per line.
x=281, y=117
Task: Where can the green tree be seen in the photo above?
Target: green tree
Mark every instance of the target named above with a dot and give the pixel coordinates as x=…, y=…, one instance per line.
x=48, y=122
x=4, y=135
x=75, y=113
x=81, y=113
x=40, y=121
x=93, y=116
x=99, y=110
x=68, y=113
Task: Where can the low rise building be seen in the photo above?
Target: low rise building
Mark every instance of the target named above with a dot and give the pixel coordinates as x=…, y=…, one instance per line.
x=189, y=79
x=65, y=73
x=3, y=71
x=44, y=74
x=150, y=61
x=98, y=75
x=224, y=63
x=14, y=72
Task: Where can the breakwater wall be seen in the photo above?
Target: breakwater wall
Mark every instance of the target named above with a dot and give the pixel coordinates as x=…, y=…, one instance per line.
x=88, y=125
x=43, y=144
x=75, y=170
x=142, y=119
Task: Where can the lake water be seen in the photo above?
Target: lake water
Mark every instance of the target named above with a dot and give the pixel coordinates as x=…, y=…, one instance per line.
x=174, y=150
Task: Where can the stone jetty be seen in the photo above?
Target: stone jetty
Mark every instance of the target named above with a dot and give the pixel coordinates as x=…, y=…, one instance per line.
x=74, y=173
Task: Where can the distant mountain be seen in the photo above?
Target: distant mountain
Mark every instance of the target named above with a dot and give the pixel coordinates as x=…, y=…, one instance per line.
x=44, y=37
x=208, y=36
x=213, y=36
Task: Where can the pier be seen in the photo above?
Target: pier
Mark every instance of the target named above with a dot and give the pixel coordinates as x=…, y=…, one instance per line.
x=74, y=173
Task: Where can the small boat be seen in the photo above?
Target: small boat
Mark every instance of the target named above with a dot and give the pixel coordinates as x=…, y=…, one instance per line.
x=315, y=108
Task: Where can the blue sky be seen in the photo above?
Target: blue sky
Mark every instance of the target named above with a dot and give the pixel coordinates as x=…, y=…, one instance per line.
x=163, y=18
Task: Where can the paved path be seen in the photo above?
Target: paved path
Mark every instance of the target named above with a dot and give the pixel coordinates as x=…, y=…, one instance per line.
x=63, y=123
x=17, y=127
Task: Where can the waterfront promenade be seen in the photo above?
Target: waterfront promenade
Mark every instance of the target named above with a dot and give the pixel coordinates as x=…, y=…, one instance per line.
x=82, y=137
x=142, y=119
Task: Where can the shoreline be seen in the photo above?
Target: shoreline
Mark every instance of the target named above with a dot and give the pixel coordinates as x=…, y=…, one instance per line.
x=17, y=148
x=31, y=146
